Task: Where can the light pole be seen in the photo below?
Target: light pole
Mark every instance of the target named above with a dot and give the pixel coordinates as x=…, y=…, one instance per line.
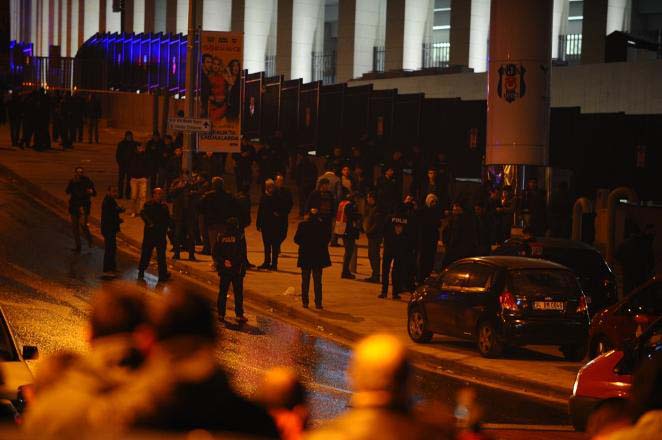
x=191, y=61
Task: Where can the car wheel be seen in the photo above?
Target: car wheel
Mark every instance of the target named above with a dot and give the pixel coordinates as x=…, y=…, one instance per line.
x=488, y=341
x=416, y=326
x=601, y=345
x=573, y=352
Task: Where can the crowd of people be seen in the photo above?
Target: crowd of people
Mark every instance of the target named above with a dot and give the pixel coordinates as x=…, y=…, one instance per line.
x=152, y=367
x=39, y=119
x=403, y=204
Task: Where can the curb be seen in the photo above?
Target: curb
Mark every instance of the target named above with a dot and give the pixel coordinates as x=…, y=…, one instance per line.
x=456, y=369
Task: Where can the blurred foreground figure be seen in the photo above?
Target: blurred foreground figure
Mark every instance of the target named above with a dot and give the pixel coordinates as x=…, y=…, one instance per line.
x=68, y=383
x=283, y=394
x=379, y=374
x=181, y=387
x=645, y=402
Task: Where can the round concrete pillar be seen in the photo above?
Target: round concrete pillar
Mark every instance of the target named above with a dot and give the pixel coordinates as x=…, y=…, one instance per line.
x=518, y=82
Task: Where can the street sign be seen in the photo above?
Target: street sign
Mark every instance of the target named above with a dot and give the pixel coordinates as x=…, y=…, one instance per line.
x=191, y=125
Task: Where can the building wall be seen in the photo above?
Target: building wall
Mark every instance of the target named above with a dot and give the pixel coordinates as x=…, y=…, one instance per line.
x=633, y=88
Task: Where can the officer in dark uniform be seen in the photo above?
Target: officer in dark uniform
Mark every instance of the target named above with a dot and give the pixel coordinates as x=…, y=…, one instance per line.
x=398, y=244
x=80, y=190
x=229, y=254
x=156, y=216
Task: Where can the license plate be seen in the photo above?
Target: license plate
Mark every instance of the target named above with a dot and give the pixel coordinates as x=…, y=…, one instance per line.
x=548, y=305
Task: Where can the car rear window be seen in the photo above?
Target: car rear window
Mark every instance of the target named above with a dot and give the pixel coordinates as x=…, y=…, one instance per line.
x=7, y=352
x=543, y=281
x=584, y=262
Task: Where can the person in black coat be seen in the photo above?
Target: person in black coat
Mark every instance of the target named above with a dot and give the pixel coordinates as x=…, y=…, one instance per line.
x=126, y=148
x=305, y=176
x=389, y=192
x=348, y=227
x=460, y=236
x=110, y=226
x=15, y=116
x=80, y=190
x=313, y=237
x=183, y=216
x=269, y=224
x=156, y=216
x=216, y=207
x=324, y=201
x=285, y=203
x=229, y=254
x=398, y=245
x=429, y=221
x=243, y=163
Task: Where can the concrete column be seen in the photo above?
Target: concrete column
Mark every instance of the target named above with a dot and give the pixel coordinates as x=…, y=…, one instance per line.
x=55, y=16
x=369, y=26
x=259, y=25
x=306, y=18
x=70, y=29
x=216, y=15
x=593, y=31
x=518, y=82
x=459, y=34
x=618, y=15
x=138, y=16
x=284, y=38
x=45, y=27
x=346, y=32
x=33, y=21
x=559, y=17
x=77, y=25
x=478, y=32
x=113, y=19
x=160, y=7
x=181, y=26
x=239, y=13
x=395, y=34
x=417, y=25
x=91, y=23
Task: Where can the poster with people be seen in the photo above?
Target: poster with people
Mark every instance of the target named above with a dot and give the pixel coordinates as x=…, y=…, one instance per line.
x=221, y=60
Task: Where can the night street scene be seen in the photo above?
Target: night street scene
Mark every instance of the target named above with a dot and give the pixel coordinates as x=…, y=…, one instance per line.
x=331, y=219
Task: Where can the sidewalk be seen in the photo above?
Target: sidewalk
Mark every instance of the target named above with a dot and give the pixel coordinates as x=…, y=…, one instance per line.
x=352, y=308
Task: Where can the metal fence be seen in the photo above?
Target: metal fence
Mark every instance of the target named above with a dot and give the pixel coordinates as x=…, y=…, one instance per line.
x=270, y=65
x=570, y=48
x=324, y=67
x=378, y=58
x=47, y=72
x=436, y=55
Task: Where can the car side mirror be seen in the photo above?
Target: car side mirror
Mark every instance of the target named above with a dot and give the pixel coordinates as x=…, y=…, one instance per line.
x=30, y=352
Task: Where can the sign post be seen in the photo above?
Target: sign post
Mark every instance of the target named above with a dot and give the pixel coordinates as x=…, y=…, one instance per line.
x=191, y=63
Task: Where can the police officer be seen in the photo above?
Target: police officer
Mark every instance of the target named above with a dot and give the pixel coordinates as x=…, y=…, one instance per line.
x=156, y=216
x=80, y=190
x=398, y=244
x=229, y=254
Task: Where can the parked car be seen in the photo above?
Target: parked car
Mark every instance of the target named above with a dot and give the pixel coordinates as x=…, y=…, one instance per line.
x=14, y=372
x=609, y=376
x=500, y=302
x=624, y=321
x=596, y=277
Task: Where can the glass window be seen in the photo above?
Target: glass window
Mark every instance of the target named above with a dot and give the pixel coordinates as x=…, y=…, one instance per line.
x=544, y=281
x=442, y=4
x=456, y=277
x=576, y=9
x=7, y=352
x=442, y=19
x=480, y=279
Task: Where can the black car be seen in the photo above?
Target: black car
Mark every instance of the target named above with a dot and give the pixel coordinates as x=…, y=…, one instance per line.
x=500, y=302
x=597, y=280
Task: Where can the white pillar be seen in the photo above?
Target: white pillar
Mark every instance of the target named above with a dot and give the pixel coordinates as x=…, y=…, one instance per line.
x=113, y=19
x=618, y=16
x=369, y=31
x=56, y=21
x=138, y=16
x=216, y=15
x=306, y=18
x=558, y=24
x=64, y=31
x=259, y=26
x=181, y=26
x=91, y=21
x=33, y=22
x=45, y=17
x=417, y=20
x=73, y=27
x=478, y=34
x=160, y=15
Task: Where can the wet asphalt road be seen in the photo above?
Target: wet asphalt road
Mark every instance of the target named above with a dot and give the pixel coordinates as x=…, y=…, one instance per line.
x=45, y=290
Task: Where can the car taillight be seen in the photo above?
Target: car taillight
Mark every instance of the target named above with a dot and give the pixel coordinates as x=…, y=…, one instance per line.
x=507, y=301
x=582, y=306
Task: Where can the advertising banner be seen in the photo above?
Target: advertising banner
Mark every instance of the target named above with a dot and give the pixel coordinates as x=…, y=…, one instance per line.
x=221, y=63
